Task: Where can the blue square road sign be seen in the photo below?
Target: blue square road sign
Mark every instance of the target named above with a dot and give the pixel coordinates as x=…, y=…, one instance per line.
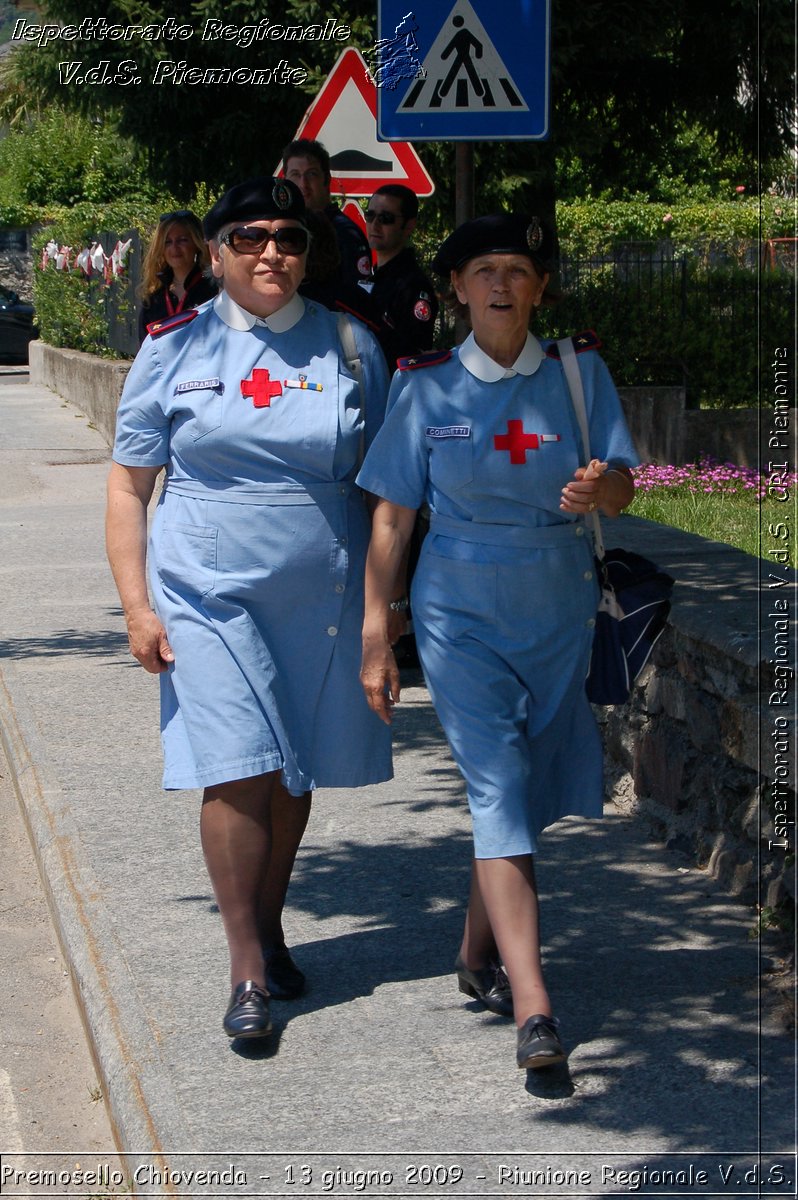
x=462, y=70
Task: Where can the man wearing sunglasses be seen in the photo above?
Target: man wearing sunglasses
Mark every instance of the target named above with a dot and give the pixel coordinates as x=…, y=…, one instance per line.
x=402, y=295
x=307, y=164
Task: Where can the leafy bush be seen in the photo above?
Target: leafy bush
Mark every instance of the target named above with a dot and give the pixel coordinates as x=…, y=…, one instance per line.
x=589, y=227
x=70, y=309
x=65, y=159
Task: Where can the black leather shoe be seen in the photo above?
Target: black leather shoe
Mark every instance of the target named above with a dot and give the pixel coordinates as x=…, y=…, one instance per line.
x=247, y=1015
x=284, y=979
x=539, y=1043
x=489, y=984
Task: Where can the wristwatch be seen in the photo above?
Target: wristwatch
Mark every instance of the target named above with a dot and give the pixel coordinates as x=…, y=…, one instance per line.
x=400, y=605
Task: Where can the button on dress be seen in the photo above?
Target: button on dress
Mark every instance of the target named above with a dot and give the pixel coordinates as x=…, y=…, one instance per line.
x=257, y=547
x=504, y=596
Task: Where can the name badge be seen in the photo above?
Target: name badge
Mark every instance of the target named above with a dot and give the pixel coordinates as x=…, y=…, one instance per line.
x=448, y=431
x=199, y=385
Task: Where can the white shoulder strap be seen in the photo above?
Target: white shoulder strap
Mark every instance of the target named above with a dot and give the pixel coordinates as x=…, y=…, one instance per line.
x=573, y=377
x=346, y=336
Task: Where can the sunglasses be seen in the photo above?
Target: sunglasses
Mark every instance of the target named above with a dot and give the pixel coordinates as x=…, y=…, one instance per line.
x=247, y=239
x=382, y=218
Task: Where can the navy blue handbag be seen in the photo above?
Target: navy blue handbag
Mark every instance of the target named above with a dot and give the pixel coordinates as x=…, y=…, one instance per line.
x=635, y=593
x=632, y=613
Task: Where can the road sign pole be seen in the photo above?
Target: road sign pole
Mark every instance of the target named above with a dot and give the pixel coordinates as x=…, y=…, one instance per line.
x=463, y=204
x=464, y=182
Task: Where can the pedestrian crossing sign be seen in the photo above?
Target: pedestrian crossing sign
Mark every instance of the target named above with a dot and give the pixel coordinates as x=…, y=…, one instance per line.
x=465, y=70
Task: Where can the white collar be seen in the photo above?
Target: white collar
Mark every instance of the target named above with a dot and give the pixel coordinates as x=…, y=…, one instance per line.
x=281, y=321
x=479, y=364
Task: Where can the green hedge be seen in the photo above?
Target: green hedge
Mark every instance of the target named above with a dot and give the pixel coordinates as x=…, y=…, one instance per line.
x=595, y=226
x=70, y=311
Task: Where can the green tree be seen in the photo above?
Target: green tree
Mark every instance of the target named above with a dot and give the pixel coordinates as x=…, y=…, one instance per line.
x=645, y=97
x=64, y=158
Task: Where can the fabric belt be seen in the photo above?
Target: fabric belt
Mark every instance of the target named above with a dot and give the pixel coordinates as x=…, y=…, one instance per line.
x=319, y=493
x=537, y=537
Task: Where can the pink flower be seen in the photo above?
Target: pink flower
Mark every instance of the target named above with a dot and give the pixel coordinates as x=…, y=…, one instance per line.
x=740, y=188
x=667, y=217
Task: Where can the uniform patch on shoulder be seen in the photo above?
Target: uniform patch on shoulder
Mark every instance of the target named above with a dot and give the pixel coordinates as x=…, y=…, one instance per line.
x=422, y=309
x=431, y=358
x=582, y=341
x=156, y=328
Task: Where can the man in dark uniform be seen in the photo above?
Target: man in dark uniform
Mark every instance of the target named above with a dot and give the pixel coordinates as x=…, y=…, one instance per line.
x=404, y=307
x=307, y=164
x=402, y=296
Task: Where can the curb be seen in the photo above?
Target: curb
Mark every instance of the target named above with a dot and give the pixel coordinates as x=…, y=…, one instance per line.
x=143, y=1107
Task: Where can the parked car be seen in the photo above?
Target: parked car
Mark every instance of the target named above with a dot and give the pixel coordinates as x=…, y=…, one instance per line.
x=16, y=327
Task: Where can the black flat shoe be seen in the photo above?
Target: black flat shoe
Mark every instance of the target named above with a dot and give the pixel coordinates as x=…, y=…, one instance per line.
x=284, y=979
x=247, y=1015
x=539, y=1043
x=489, y=984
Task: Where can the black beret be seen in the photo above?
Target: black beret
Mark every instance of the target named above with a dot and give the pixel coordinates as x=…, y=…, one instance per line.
x=499, y=233
x=260, y=199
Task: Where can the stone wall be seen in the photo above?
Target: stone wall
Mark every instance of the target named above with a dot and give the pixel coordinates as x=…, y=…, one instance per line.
x=92, y=384
x=665, y=431
x=694, y=751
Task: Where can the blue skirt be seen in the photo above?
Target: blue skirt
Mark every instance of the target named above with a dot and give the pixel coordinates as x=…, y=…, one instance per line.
x=504, y=628
x=260, y=590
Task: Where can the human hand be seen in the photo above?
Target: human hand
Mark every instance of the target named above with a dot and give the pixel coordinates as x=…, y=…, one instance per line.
x=379, y=676
x=585, y=492
x=148, y=641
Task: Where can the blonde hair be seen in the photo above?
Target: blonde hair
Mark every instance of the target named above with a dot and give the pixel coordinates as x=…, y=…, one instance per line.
x=155, y=258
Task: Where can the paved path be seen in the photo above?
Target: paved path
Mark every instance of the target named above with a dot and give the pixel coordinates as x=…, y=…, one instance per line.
x=383, y=1066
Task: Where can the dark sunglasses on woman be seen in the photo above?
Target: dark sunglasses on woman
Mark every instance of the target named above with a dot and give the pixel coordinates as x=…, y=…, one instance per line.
x=248, y=239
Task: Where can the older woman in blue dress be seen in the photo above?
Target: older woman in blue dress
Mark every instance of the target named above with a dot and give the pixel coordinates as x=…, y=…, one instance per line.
x=256, y=555
x=504, y=597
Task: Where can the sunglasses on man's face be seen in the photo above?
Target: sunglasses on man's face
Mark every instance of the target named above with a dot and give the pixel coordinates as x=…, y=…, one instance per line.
x=382, y=218
x=248, y=239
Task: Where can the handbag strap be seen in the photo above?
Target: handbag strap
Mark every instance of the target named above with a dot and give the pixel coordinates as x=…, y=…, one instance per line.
x=573, y=377
x=347, y=338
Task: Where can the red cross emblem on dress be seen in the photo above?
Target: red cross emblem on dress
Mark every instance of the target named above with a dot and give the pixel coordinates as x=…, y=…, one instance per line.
x=261, y=388
x=518, y=442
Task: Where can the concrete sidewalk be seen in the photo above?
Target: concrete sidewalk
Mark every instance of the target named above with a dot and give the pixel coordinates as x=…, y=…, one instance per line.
x=383, y=1067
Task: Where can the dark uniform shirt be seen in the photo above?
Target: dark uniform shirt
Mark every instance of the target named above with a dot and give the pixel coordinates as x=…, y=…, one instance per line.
x=404, y=305
x=164, y=303
x=352, y=244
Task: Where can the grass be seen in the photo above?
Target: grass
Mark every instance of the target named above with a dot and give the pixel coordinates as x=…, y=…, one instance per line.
x=723, y=502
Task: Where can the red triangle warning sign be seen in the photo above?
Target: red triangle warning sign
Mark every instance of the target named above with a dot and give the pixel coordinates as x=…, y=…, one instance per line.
x=343, y=117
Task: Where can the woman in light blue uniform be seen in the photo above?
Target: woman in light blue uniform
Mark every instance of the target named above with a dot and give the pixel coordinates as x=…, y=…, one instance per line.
x=256, y=554
x=504, y=597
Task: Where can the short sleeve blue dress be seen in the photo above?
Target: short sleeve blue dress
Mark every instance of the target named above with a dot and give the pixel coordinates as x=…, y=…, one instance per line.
x=504, y=596
x=257, y=547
